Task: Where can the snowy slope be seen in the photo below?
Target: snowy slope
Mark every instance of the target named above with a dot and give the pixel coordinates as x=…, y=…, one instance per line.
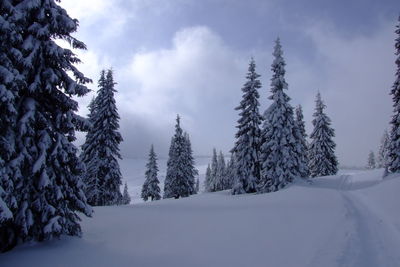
x=347, y=220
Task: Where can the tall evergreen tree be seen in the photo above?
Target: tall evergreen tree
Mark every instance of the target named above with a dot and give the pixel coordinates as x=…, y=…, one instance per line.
x=301, y=136
x=322, y=159
x=107, y=180
x=247, y=145
x=126, y=198
x=10, y=82
x=371, y=160
x=177, y=183
x=46, y=171
x=151, y=188
x=279, y=151
x=394, y=148
x=383, y=153
x=191, y=172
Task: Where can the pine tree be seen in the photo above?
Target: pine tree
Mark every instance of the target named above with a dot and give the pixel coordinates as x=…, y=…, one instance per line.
x=394, y=148
x=39, y=95
x=151, y=189
x=322, y=159
x=10, y=82
x=126, y=198
x=89, y=155
x=208, y=179
x=197, y=187
x=302, y=143
x=247, y=145
x=214, y=169
x=177, y=183
x=382, y=159
x=220, y=173
x=107, y=180
x=371, y=160
x=190, y=172
x=230, y=173
x=279, y=151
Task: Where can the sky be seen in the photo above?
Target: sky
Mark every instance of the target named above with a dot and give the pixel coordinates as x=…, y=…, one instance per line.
x=190, y=57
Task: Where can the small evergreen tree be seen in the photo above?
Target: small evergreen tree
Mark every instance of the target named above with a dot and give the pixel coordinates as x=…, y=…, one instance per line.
x=191, y=172
x=322, y=157
x=230, y=173
x=220, y=173
x=126, y=198
x=89, y=155
x=151, y=188
x=214, y=169
x=208, y=179
x=197, y=188
x=383, y=153
x=394, y=148
x=177, y=183
x=247, y=145
x=371, y=160
x=279, y=151
x=302, y=143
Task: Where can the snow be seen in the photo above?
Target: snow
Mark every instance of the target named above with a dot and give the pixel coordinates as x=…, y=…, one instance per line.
x=350, y=219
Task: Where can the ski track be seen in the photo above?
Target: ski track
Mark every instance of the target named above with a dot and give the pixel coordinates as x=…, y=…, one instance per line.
x=369, y=241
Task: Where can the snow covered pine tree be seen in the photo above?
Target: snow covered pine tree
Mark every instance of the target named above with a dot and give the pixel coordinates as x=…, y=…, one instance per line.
x=248, y=136
x=302, y=143
x=321, y=154
x=104, y=176
x=208, y=179
x=190, y=171
x=151, y=188
x=44, y=162
x=394, y=148
x=279, y=151
x=371, y=160
x=126, y=198
x=177, y=184
x=382, y=160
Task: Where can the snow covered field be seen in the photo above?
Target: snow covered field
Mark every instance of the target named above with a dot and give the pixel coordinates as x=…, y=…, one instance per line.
x=351, y=219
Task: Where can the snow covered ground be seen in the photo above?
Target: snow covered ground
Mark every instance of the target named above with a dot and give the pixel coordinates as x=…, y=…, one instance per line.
x=351, y=219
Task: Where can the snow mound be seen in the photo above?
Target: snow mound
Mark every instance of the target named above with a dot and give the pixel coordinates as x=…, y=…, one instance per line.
x=351, y=219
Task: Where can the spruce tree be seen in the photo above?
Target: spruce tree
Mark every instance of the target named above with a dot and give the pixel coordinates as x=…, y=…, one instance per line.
x=230, y=173
x=89, y=155
x=208, y=179
x=220, y=173
x=177, y=183
x=40, y=82
x=151, y=189
x=107, y=180
x=197, y=187
x=394, y=148
x=371, y=160
x=301, y=136
x=322, y=159
x=126, y=198
x=214, y=169
x=279, y=151
x=11, y=81
x=190, y=171
x=247, y=145
x=382, y=159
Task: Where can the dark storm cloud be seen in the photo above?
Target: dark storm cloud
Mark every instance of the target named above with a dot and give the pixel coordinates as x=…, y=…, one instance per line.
x=190, y=57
